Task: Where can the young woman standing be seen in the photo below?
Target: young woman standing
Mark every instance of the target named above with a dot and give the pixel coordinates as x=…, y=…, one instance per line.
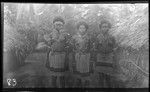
x=82, y=65
x=57, y=57
x=105, y=65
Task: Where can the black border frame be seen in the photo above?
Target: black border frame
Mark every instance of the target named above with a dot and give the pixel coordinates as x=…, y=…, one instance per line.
x=69, y=89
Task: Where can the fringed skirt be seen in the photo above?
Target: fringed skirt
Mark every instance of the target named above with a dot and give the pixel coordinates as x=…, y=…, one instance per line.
x=58, y=67
x=57, y=63
x=82, y=69
x=105, y=64
x=82, y=65
x=105, y=69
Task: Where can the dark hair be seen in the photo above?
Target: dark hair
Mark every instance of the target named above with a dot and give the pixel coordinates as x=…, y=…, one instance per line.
x=105, y=22
x=56, y=19
x=82, y=23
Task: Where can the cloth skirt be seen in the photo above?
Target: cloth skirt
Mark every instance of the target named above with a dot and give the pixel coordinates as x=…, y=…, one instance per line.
x=82, y=62
x=105, y=64
x=57, y=63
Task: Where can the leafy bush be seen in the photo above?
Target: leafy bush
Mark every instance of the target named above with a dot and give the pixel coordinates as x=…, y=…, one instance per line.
x=17, y=37
x=133, y=29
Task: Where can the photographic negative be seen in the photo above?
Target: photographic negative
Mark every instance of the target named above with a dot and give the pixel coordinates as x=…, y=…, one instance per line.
x=75, y=45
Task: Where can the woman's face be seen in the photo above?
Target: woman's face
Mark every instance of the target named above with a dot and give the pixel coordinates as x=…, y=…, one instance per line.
x=82, y=29
x=105, y=27
x=58, y=25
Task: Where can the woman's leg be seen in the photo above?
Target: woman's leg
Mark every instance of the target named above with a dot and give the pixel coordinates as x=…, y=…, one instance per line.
x=86, y=83
x=54, y=81
x=47, y=60
x=70, y=81
x=101, y=80
x=108, y=81
x=62, y=81
x=79, y=82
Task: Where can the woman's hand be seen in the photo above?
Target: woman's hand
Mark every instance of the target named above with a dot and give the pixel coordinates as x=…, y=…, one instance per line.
x=100, y=38
x=41, y=45
x=115, y=48
x=47, y=37
x=92, y=66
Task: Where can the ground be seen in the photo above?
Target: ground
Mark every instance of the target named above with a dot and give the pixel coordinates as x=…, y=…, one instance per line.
x=35, y=74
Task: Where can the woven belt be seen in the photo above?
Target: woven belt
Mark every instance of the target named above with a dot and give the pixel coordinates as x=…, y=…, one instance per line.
x=57, y=52
x=104, y=64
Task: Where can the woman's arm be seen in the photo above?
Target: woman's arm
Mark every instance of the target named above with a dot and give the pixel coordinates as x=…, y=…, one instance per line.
x=41, y=45
x=48, y=43
x=73, y=62
x=115, y=45
x=93, y=49
x=44, y=44
x=93, y=53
